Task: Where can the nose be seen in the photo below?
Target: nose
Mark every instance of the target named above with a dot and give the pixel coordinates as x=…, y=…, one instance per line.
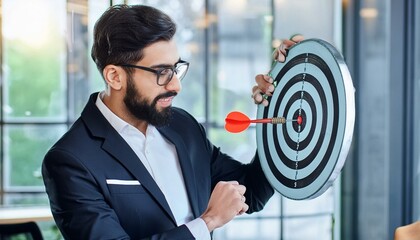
x=174, y=84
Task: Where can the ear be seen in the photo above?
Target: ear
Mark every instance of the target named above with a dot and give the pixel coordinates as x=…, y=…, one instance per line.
x=114, y=76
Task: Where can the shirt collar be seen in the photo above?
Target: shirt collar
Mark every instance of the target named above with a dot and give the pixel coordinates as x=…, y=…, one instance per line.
x=116, y=122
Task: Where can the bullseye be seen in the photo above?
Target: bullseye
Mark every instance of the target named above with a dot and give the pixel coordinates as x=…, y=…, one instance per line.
x=299, y=120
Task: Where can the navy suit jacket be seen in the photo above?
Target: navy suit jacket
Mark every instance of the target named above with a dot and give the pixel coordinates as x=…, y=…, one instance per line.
x=84, y=206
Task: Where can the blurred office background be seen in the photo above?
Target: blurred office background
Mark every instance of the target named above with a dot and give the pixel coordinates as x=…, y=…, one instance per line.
x=47, y=75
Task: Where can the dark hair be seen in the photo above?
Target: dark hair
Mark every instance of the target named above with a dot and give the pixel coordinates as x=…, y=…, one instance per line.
x=123, y=31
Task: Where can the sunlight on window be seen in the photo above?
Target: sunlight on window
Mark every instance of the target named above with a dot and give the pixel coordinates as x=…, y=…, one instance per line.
x=28, y=22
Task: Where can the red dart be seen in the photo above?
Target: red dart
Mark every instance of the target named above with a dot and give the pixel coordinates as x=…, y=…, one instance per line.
x=237, y=122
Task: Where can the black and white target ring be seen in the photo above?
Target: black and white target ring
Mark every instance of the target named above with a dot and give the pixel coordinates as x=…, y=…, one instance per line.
x=313, y=88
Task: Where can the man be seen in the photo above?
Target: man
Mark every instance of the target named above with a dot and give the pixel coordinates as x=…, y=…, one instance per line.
x=132, y=166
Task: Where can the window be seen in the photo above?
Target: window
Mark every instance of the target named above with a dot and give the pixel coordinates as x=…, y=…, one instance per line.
x=374, y=92
x=33, y=63
x=46, y=81
x=383, y=177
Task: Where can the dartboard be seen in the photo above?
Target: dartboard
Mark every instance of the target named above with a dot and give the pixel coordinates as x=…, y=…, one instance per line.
x=313, y=89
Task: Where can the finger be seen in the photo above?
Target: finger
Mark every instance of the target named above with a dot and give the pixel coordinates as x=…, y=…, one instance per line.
x=277, y=55
x=297, y=38
x=257, y=95
x=245, y=208
x=263, y=78
x=283, y=46
x=264, y=85
x=269, y=90
x=258, y=98
x=263, y=88
x=267, y=78
x=233, y=182
x=280, y=53
x=288, y=44
x=255, y=90
x=265, y=103
x=241, y=189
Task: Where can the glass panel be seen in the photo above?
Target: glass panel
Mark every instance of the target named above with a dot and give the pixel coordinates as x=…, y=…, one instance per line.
x=24, y=199
x=1, y=162
x=315, y=214
x=304, y=227
x=95, y=8
x=240, y=146
x=316, y=19
x=416, y=104
x=250, y=229
x=240, y=49
x=373, y=94
x=24, y=149
x=190, y=19
x=261, y=225
x=272, y=209
x=33, y=59
x=49, y=230
x=323, y=204
x=79, y=85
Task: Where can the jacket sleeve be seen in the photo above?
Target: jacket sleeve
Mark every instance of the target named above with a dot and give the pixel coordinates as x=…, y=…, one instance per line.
x=78, y=205
x=258, y=189
x=225, y=168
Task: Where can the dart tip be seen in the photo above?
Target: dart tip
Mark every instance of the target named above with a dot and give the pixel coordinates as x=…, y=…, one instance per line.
x=299, y=120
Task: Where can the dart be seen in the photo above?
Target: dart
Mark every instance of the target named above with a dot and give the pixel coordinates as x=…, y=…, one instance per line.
x=237, y=122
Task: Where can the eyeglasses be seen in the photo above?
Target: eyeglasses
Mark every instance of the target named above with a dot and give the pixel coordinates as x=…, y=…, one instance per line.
x=165, y=74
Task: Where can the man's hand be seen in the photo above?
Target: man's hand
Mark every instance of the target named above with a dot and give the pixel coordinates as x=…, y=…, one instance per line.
x=226, y=201
x=264, y=82
x=280, y=53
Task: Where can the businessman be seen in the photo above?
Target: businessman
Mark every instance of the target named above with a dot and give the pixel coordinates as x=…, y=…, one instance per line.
x=134, y=167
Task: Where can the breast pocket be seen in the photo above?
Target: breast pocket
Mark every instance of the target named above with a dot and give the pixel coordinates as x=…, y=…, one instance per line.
x=125, y=187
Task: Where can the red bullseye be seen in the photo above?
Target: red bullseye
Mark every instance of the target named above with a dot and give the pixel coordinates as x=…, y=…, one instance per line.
x=299, y=120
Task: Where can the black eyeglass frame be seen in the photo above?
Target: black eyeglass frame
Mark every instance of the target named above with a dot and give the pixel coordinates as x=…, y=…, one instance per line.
x=158, y=72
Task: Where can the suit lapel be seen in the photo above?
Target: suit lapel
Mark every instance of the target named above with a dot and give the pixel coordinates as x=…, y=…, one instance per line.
x=186, y=167
x=125, y=155
x=115, y=145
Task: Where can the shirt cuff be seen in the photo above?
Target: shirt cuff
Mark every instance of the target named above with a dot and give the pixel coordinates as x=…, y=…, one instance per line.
x=198, y=229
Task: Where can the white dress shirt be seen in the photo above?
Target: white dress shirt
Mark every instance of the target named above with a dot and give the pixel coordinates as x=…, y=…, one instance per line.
x=160, y=158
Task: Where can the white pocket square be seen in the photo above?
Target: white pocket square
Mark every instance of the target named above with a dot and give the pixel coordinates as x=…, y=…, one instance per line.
x=122, y=182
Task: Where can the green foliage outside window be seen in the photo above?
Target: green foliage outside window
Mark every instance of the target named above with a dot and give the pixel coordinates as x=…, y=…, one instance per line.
x=33, y=77
x=27, y=146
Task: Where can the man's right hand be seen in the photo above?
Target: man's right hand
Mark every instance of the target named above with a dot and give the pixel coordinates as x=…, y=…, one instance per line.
x=226, y=201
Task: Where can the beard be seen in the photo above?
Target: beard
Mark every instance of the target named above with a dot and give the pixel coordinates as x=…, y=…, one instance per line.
x=141, y=109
